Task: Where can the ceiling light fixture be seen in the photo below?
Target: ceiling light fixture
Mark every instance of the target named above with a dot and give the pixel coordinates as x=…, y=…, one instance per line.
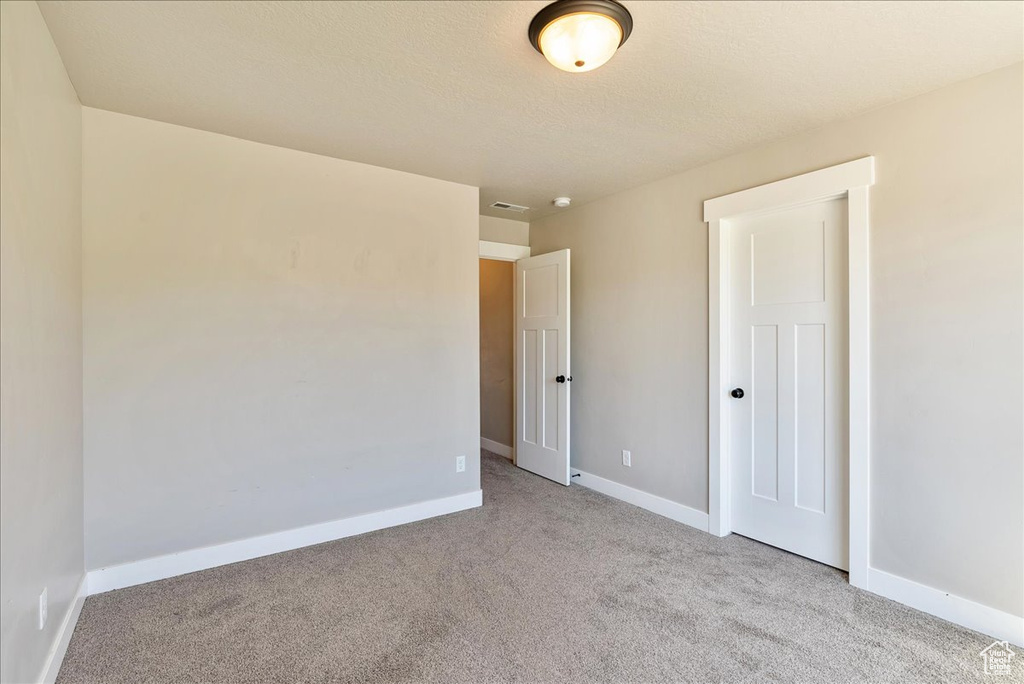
x=580, y=35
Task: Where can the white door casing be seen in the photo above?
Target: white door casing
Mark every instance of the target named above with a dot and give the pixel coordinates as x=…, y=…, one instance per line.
x=501, y=251
x=850, y=180
x=542, y=357
x=788, y=349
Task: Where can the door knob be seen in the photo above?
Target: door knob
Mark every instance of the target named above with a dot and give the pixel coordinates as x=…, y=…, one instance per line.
x=560, y=378
x=737, y=393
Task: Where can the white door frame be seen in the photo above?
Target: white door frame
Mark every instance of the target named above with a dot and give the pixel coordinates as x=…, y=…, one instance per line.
x=502, y=251
x=850, y=180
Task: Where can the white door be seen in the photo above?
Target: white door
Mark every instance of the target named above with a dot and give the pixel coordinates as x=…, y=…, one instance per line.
x=788, y=353
x=542, y=365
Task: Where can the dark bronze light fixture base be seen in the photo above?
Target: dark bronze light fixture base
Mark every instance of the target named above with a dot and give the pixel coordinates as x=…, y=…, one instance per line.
x=555, y=10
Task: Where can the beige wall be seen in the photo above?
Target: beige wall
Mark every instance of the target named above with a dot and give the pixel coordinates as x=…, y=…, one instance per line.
x=496, y=359
x=40, y=341
x=272, y=338
x=504, y=230
x=947, y=236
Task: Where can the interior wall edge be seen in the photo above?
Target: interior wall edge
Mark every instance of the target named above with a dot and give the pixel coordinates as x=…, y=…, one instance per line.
x=41, y=461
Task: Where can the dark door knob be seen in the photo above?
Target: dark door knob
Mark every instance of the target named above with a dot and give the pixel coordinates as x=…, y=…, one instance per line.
x=737, y=393
x=560, y=378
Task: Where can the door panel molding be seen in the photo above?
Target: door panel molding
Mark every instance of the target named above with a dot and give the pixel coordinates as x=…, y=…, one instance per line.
x=542, y=366
x=850, y=180
x=788, y=449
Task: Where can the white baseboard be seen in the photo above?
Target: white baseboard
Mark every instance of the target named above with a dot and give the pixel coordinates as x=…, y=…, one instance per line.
x=654, y=504
x=955, y=609
x=172, y=565
x=67, y=627
x=990, y=621
x=496, y=447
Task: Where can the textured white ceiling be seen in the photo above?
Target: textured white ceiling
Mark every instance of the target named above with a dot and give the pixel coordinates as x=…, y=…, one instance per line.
x=454, y=90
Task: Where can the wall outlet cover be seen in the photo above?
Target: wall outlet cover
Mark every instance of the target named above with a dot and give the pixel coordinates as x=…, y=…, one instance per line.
x=627, y=459
x=460, y=464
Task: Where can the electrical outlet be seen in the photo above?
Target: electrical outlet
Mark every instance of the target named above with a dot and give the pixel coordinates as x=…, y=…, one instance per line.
x=42, y=609
x=627, y=459
x=460, y=464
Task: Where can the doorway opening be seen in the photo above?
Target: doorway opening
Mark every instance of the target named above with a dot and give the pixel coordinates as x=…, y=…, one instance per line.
x=540, y=352
x=732, y=423
x=497, y=357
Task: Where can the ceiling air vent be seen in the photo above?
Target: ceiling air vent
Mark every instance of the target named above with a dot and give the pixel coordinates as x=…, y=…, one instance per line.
x=519, y=209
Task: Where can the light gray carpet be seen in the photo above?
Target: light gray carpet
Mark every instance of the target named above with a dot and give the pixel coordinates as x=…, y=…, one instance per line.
x=542, y=584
